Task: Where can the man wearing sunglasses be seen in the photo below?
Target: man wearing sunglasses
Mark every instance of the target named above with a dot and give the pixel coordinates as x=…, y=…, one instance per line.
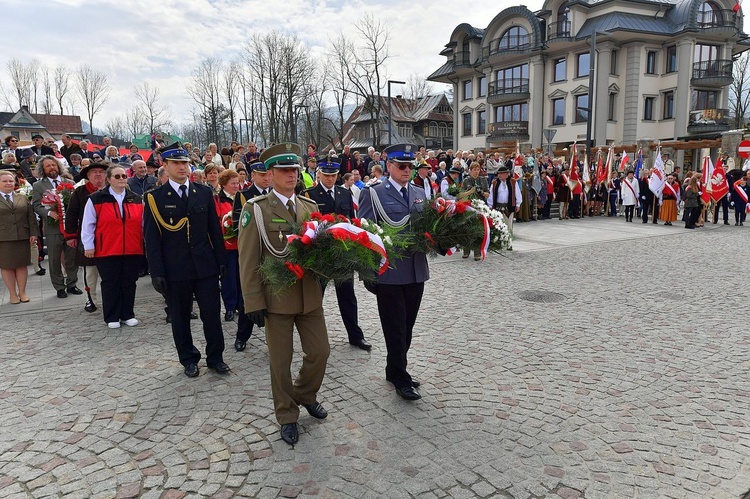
x=399, y=289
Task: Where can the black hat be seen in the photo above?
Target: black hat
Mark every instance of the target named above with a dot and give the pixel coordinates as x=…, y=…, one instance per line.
x=328, y=167
x=85, y=171
x=174, y=152
x=37, y=136
x=503, y=169
x=26, y=153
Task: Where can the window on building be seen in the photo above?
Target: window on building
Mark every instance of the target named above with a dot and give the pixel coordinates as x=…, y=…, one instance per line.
x=704, y=99
x=668, y=111
x=467, y=90
x=705, y=53
x=582, y=108
x=481, y=122
x=612, y=107
x=561, y=66
x=648, y=108
x=482, y=86
x=583, y=65
x=433, y=131
x=442, y=109
x=709, y=15
x=651, y=62
x=405, y=130
x=442, y=130
x=613, y=62
x=466, y=117
x=558, y=111
x=512, y=112
x=515, y=38
x=671, y=59
x=513, y=79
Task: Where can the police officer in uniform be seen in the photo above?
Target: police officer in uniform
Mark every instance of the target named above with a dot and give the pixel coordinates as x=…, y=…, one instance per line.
x=334, y=199
x=264, y=224
x=261, y=185
x=399, y=289
x=185, y=250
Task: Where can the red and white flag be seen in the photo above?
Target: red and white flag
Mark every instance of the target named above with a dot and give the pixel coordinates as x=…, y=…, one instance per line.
x=719, y=183
x=623, y=162
x=706, y=174
x=658, y=177
x=737, y=7
x=609, y=164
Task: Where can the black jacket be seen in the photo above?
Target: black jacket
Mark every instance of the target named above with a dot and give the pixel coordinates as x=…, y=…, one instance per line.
x=340, y=205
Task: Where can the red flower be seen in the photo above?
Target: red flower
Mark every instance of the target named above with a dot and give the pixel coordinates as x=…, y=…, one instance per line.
x=295, y=269
x=316, y=216
x=363, y=238
x=357, y=222
x=461, y=207
x=328, y=218
x=342, y=218
x=66, y=186
x=429, y=238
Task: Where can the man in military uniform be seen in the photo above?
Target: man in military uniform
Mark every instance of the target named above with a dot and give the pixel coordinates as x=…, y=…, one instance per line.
x=264, y=224
x=334, y=199
x=185, y=250
x=399, y=289
x=261, y=186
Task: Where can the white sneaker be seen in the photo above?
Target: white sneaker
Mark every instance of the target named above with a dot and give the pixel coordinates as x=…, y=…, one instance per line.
x=113, y=325
x=131, y=322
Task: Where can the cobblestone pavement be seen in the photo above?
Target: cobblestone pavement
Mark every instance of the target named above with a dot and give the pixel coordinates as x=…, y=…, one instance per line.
x=611, y=369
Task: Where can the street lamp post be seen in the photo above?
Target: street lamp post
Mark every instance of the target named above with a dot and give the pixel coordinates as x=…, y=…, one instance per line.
x=390, y=120
x=590, y=107
x=246, y=120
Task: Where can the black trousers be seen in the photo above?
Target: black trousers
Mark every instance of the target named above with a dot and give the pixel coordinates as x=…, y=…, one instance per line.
x=739, y=212
x=655, y=210
x=347, y=301
x=547, y=206
x=613, y=204
x=724, y=205
x=119, y=275
x=244, y=324
x=629, y=210
x=575, y=206
x=645, y=209
x=398, y=306
x=180, y=302
x=691, y=216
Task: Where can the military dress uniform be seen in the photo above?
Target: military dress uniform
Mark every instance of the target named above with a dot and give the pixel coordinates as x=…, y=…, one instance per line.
x=399, y=289
x=264, y=224
x=339, y=202
x=185, y=246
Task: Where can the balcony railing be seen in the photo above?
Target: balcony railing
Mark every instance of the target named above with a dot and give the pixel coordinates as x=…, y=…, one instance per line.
x=718, y=72
x=709, y=120
x=559, y=29
x=509, y=89
x=462, y=59
x=717, y=18
x=507, y=129
x=508, y=44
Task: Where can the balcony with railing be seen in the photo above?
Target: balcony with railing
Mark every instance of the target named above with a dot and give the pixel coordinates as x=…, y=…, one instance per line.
x=508, y=44
x=462, y=59
x=508, y=90
x=715, y=73
x=505, y=130
x=558, y=30
x=718, y=19
x=708, y=120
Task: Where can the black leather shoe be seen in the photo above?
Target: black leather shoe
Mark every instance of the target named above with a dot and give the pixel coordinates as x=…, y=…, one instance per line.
x=41, y=271
x=363, y=344
x=316, y=410
x=193, y=316
x=229, y=316
x=220, y=368
x=191, y=370
x=289, y=433
x=239, y=346
x=408, y=393
x=90, y=307
x=61, y=293
x=73, y=290
x=415, y=383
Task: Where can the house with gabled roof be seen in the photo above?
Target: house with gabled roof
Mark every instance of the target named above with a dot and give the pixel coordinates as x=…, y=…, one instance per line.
x=23, y=124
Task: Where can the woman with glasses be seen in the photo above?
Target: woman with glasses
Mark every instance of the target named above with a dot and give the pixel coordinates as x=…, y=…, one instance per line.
x=112, y=234
x=11, y=143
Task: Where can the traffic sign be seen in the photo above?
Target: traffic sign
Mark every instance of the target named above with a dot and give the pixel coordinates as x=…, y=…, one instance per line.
x=744, y=149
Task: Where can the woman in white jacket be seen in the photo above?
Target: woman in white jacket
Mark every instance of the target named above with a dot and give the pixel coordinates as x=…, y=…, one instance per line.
x=630, y=194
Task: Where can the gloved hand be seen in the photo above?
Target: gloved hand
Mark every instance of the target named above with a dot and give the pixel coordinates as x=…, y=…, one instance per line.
x=258, y=317
x=160, y=284
x=222, y=271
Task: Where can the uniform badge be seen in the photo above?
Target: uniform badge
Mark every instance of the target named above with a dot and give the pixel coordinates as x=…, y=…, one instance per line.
x=245, y=219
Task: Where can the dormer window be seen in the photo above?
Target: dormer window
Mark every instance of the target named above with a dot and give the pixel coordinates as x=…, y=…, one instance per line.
x=514, y=38
x=709, y=15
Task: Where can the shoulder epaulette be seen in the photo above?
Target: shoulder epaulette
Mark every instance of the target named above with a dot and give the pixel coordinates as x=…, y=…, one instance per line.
x=307, y=200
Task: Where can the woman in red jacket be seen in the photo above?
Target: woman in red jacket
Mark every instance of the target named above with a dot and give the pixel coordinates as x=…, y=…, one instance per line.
x=112, y=234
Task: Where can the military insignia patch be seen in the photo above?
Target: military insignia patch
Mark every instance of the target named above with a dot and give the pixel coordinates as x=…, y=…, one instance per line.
x=245, y=219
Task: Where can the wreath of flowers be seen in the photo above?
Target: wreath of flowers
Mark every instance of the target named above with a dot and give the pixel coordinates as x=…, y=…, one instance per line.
x=58, y=199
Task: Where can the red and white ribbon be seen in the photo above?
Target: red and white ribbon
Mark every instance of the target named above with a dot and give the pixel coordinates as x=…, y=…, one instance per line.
x=741, y=193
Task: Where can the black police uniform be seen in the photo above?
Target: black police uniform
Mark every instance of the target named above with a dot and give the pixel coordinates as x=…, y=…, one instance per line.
x=189, y=258
x=340, y=204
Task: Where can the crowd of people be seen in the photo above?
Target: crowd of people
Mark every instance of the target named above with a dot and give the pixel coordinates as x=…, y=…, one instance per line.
x=200, y=224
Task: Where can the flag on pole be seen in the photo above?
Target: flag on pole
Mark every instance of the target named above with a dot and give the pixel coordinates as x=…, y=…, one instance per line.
x=737, y=6
x=719, y=183
x=639, y=164
x=706, y=174
x=623, y=161
x=586, y=173
x=599, y=167
x=608, y=165
x=658, y=178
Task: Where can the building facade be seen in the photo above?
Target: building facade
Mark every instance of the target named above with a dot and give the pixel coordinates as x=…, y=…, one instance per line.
x=23, y=124
x=661, y=71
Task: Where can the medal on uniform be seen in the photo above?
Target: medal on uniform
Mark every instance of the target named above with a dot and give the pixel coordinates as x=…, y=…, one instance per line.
x=281, y=236
x=170, y=221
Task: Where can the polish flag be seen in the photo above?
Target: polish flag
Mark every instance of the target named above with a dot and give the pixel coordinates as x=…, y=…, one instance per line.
x=658, y=177
x=737, y=6
x=623, y=162
x=719, y=183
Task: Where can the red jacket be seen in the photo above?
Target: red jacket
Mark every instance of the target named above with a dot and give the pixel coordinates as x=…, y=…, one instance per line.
x=224, y=206
x=117, y=234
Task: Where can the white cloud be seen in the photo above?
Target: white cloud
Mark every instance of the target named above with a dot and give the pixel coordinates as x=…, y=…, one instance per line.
x=161, y=41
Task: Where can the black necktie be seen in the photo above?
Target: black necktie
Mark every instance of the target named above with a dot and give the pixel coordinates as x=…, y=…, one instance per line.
x=290, y=207
x=55, y=182
x=405, y=194
x=7, y=198
x=183, y=193
x=330, y=193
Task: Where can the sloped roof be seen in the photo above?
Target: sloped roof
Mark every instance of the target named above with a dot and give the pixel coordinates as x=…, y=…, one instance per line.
x=55, y=124
x=621, y=21
x=446, y=69
x=407, y=110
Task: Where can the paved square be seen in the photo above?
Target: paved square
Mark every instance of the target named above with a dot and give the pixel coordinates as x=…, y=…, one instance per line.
x=596, y=360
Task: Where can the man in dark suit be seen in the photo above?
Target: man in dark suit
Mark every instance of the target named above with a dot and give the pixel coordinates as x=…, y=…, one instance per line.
x=646, y=196
x=39, y=148
x=347, y=164
x=69, y=147
x=334, y=199
x=261, y=186
x=185, y=250
x=399, y=289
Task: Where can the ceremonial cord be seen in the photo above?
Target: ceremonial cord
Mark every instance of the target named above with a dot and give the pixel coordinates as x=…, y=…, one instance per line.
x=160, y=222
x=378, y=207
x=264, y=235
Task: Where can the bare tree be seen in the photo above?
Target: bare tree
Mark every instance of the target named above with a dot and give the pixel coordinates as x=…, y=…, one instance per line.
x=47, y=103
x=205, y=90
x=20, y=75
x=341, y=90
x=739, y=90
x=135, y=122
x=417, y=88
x=62, y=85
x=33, y=69
x=231, y=79
x=154, y=113
x=93, y=90
x=116, y=128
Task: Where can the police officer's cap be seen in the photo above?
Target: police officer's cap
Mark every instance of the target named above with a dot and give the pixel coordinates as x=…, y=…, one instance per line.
x=284, y=155
x=257, y=166
x=328, y=167
x=174, y=152
x=400, y=153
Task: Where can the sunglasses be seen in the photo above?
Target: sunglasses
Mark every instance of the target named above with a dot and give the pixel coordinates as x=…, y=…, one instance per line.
x=405, y=166
x=119, y=176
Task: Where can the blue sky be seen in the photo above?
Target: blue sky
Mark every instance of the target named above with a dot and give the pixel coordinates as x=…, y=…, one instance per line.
x=161, y=41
